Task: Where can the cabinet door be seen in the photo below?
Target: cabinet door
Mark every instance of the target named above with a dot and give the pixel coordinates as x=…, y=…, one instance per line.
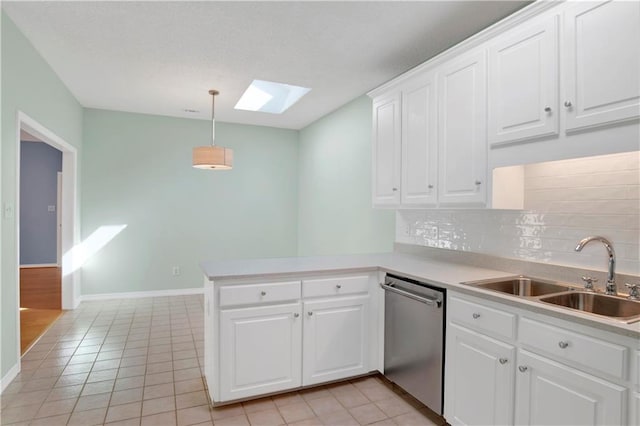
x=386, y=151
x=419, y=143
x=479, y=379
x=260, y=350
x=635, y=408
x=336, y=339
x=602, y=63
x=523, y=83
x=462, y=131
x=549, y=393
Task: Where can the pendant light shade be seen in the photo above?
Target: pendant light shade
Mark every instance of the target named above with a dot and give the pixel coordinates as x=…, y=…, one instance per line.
x=213, y=157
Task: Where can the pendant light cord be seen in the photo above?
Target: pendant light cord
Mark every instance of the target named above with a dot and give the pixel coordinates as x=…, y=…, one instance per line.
x=213, y=119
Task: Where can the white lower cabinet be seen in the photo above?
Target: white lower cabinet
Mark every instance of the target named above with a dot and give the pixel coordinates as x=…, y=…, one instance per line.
x=550, y=393
x=336, y=339
x=548, y=372
x=260, y=350
x=262, y=338
x=480, y=387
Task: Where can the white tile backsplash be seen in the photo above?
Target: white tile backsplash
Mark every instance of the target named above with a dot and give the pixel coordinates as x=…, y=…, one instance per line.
x=564, y=202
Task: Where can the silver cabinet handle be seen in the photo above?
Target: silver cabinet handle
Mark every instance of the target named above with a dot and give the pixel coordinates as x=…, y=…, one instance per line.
x=547, y=109
x=563, y=344
x=475, y=315
x=522, y=368
x=430, y=186
x=426, y=300
x=310, y=313
x=338, y=286
x=478, y=182
x=394, y=189
x=296, y=315
x=567, y=104
x=263, y=293
x=503, y=360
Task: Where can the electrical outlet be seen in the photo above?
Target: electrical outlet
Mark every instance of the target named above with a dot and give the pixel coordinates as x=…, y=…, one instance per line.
x=176, y=271
x=434, y=233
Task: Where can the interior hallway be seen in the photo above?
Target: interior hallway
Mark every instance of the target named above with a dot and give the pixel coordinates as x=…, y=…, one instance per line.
x=40, y=302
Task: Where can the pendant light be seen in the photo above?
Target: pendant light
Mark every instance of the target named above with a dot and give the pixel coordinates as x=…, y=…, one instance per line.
x=213, y=157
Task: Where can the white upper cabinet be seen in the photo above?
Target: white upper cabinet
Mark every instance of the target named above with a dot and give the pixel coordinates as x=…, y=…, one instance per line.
x=563, y=76
x=462, y=119
x=386, y=151
x=419, y=142
x=602, y=63
x=523, y=82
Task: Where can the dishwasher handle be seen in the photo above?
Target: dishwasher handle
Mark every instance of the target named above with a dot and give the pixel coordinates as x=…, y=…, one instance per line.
x=430, y=301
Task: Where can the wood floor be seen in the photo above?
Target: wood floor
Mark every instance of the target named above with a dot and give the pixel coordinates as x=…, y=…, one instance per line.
x=33, y=323
x=40, y=302
x=41, y=288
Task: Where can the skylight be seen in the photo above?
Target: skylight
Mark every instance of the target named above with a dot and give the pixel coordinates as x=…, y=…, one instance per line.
x=267, y=96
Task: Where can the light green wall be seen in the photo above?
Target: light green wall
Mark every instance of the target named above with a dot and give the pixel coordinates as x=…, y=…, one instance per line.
x=334, y=192
x=305, y=193
x=137, y=171
x=28, y=85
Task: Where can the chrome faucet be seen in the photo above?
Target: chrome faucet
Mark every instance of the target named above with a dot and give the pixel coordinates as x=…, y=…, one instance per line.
x=611, y=281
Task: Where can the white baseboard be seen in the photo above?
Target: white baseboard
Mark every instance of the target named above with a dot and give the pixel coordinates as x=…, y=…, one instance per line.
x=43, y=265
x=139, y=294
x=8, y=378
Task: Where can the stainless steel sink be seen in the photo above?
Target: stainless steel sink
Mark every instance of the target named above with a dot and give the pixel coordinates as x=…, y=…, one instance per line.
x=521, y=286
x=599, y=304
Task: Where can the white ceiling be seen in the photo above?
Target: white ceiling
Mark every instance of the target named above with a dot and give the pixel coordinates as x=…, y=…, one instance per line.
x=163, y=57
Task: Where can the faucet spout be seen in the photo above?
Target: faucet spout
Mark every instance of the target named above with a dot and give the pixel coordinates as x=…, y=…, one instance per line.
x=611, y=282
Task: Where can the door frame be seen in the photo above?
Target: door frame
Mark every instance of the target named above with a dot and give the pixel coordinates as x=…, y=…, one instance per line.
x=70, y=232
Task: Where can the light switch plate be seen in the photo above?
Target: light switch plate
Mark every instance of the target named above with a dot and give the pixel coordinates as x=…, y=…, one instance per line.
x=7, y=211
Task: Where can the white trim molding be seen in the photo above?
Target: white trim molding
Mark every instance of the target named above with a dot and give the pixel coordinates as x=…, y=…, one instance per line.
x=8, y=378
x=140, y=294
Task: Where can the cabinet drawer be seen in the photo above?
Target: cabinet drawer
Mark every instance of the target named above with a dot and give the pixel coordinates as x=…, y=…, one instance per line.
x=335, y=286
x=574, y=348
x=482, y=318
x=251, y=294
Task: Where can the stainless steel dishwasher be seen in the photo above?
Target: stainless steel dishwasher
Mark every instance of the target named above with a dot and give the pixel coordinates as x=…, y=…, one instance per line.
x=414, y=338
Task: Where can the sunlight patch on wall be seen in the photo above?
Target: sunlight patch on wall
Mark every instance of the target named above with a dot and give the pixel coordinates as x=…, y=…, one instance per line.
x=75, y=258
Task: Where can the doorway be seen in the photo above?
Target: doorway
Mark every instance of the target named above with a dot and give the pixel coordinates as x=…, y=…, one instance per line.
x=40, y=228
x=46, y=229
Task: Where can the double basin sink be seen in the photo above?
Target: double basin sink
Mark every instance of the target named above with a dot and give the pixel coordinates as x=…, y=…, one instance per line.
x=566, y=296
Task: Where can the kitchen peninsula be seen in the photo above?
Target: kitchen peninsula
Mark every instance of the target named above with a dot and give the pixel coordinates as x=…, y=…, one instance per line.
x=250, y=304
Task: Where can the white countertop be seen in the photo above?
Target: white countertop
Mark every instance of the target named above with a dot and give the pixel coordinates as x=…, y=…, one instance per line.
x=445, y=274
x=437, y=272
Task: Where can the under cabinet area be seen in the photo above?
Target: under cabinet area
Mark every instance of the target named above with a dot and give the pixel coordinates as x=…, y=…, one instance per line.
x=266, y=337
x=509, y=366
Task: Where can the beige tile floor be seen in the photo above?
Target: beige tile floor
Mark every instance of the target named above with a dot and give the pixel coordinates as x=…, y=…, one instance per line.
x=140, y=362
